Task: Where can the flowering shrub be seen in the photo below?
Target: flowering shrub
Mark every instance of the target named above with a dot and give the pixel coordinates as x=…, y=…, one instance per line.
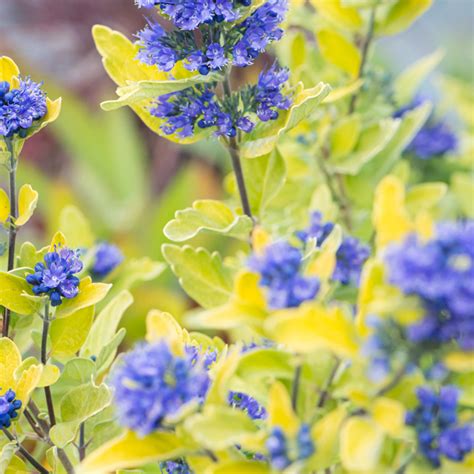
x=337, y=334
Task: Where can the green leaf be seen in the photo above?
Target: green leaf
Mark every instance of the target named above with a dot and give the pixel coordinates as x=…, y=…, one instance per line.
x=135, y=92
x=49, y=374
x=361, y=187
x=371, y=142
x=15, y=294
x=27, y=201
x=89, y=295
x=68, y=334
x=344, y=136
x=264, y=178
x=76, y=406
x=77, y=371
x=106, y=324
x=201, y=274
x=6, y=455
x=130, y=450
x=338, y=50
x=409, y=81
x=220, y=427
x=211, y=216
x=401, y=15
x=76, y=228
x=462, y=185
x=263, y=139
x=425, y=196
x=107, y=353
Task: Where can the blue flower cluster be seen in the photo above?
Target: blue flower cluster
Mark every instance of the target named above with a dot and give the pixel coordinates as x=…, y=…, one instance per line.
x=199, y=106
x=178, y=466
x=107, y=258
x=152, y=383
x=350, y=256
x=441, y=273
x=56, y=277
x=248, y=404
x=280, y=271
x=217, y=46
x=434, y=138
x=9, y=407
x=438, y=430
x=20, y=107
x=279, y=449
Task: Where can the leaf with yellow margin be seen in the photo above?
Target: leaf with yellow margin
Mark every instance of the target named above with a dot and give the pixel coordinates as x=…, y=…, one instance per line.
x=8, y=69
x=247, y=305
x=221, y=372
x=27, y=201
x=361, y=444
x=4, y=206
x=325, y=434
x=280, y=411
x=10, y=360
x=131, y=450
x=390, y=218
x=343, y=16
x=89, y=294
x=161, y=325
x=16, y=295
x=312, y=327
x=28, y=381
x=389, y=414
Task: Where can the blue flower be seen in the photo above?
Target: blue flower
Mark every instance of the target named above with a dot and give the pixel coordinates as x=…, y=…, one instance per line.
x=107, y=258
x=439, y=433
x=247, y=404
x=56, y=276
x=434, y=138
x=9, y=407
x=178, y=466
x=152, y=383
x=280, y=268
x=350, y=256
x=441, y=273
x=278, y=447
x=258, y=31
x=268, y=95
x=20, y=107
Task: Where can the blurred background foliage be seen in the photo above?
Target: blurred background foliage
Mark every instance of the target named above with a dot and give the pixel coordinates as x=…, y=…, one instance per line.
x=127, y=181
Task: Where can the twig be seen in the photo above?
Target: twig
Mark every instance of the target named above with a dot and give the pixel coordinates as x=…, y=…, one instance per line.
x=28, y=457
x=12, y=227
x=44, y=360
x=325, y=393
x=295, y=388
x=394, y=382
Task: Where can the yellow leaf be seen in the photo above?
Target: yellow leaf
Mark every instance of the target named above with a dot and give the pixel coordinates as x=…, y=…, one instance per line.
x=325, y=434
x=4, y=206
x=130, y=450
x=312, y=327
x=74, y=225
x=344, y=136
x=389, y=414
x=161, y=325
x=460, y=361
x=280, y=411
x=10, y=360
x=401, y=15
x=390, y=217
x=221, y=373
x=8, y=69
x=28, y=381
x=342, y=92
x=234, y=467
x=324, y=263
x=424, y=225
x=16, y=295
x=260, y=239
x=247, y=306
x=334, y=11
x=338, y=50
x=361, y=444
x=58, y=241
x=27, y=201
x=89, y=294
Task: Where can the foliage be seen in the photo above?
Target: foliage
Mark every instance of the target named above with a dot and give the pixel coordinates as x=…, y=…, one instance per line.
x=336, y=332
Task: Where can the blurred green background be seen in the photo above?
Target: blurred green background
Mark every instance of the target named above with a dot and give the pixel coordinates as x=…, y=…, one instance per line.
x=127, y=181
